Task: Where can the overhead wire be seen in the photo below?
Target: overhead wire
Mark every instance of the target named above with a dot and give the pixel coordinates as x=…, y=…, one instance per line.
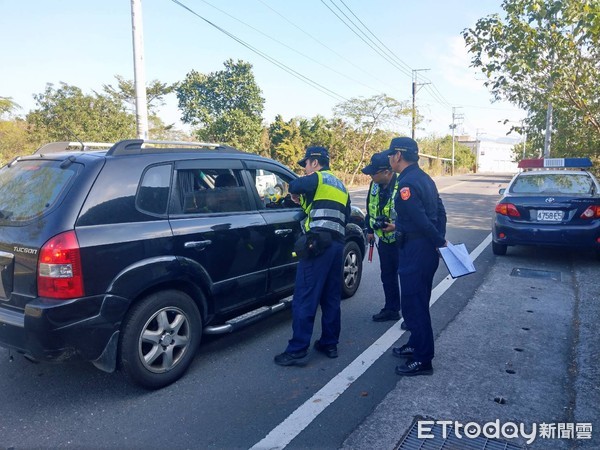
x=388, y=51
x=312, y=37
x=369, y=44
x=289, y=47
x=272, y=60
x=384, y=51
x=429, y=86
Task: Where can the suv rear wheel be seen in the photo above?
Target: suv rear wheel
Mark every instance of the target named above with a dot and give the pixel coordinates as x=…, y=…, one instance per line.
x=352, y=269
x=159, y=338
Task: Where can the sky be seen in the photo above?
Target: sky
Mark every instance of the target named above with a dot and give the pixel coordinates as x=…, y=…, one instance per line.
x=86, y=43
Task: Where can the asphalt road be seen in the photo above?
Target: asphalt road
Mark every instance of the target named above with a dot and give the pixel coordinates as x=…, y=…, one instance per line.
x=234, y=396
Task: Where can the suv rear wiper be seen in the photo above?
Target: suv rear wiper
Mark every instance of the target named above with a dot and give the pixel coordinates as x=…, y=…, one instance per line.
x=4, y=214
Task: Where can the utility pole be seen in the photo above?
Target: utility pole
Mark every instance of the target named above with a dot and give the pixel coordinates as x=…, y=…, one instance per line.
x=455, y=117
x=415, y=88
x=548, y=137
x=524, y=137
x=141, y=105
x=478, y=133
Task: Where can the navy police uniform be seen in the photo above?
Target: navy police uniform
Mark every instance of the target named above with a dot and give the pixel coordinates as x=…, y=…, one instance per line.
x=326, y=202
x=420, y=230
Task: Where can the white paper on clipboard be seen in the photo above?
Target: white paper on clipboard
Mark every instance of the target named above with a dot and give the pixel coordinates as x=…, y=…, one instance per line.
x=457, y=260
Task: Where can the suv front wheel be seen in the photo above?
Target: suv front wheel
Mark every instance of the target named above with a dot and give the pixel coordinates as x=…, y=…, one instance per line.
x=352, y=269
x=159, y=338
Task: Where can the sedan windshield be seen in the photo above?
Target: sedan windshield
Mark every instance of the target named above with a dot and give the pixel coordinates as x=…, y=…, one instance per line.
x=553, y=183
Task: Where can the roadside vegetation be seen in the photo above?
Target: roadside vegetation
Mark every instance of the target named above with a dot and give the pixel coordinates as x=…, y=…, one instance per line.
x=541, y=52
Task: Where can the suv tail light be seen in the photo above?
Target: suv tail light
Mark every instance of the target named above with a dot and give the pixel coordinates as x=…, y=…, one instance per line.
x=593, y=212
x=507, y=209
x=59, y=268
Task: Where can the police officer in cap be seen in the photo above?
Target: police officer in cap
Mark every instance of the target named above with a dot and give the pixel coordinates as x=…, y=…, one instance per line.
x=380, y=222
x=420, y=231
x=326, y=202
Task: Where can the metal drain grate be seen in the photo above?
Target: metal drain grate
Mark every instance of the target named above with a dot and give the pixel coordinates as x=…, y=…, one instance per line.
x=530, y=273
x=411, y=440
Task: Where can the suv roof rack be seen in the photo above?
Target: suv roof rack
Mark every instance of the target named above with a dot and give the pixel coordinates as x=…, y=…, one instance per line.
x=55, y=147
x=131, y=146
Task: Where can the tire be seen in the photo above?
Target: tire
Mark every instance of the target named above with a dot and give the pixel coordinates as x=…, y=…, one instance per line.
x=499, y=249
x=352, y=271
x=159, y=338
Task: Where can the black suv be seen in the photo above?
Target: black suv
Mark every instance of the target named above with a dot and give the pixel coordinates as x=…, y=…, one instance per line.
x=125, y=257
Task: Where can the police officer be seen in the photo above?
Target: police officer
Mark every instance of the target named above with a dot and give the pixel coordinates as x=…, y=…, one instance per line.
x=380, y=222
x=420, y=231
x=326, y=202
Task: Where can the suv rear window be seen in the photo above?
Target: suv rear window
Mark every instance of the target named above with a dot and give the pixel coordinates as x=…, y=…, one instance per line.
x=30, y=188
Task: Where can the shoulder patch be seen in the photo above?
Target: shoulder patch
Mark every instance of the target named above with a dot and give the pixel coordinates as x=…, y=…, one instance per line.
x=405, y=193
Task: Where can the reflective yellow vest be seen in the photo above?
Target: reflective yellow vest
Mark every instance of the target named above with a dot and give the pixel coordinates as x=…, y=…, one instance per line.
x=387, y=211
x=327, y=212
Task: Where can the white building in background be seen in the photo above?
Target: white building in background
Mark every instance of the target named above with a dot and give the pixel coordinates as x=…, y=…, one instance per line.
x=493, y=156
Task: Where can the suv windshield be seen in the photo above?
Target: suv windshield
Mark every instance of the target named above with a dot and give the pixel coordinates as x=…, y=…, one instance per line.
x=30, y=188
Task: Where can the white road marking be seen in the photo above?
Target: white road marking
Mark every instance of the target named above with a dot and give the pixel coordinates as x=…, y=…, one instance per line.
x=293, y=425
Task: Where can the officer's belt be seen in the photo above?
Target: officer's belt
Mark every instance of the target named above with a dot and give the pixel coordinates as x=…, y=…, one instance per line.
x=408, y=235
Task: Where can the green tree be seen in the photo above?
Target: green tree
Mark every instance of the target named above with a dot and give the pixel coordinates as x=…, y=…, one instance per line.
x=286, y=146
x=125, y=92
x=7, y=107
x=156, y=92
x=316, y=131
x=227, y=105
x=13, y=140
x=545, y=51
x=441, y=147
x=66, y=113
x=367, y=116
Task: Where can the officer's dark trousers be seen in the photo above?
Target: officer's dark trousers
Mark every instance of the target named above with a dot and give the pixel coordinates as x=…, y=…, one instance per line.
x=418, y=261
x=388, y=261
x=318, y=282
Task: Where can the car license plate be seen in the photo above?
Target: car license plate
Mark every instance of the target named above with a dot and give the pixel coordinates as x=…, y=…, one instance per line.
x=549, y=216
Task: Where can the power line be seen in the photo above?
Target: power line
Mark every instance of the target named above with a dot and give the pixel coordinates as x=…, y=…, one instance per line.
x=339, y=55
x=374, y=48
x=390, y=52
x=272, y=60
x=289, y=47
x=389, y=56
x=430, y=86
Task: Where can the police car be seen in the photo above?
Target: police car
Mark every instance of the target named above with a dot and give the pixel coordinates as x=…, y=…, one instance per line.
x=552, y=202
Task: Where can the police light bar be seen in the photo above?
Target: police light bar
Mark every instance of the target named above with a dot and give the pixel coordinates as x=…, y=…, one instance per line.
x=551, y=163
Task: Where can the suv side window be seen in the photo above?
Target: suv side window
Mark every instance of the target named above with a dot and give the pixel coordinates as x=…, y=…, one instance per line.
x=153, y=194
x=208, y=191
x=272, y=188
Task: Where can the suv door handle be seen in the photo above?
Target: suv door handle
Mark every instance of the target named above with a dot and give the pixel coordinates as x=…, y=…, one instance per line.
x=283, y=232
x=199, y=245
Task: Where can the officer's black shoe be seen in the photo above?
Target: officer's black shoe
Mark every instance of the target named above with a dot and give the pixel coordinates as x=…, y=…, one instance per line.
x=292, y=359
x=386, y=314
x=414, y=368
x=403, y=352
x=328, y=350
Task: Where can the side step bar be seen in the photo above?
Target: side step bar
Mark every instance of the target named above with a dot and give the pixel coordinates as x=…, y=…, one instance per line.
x=248, y=318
